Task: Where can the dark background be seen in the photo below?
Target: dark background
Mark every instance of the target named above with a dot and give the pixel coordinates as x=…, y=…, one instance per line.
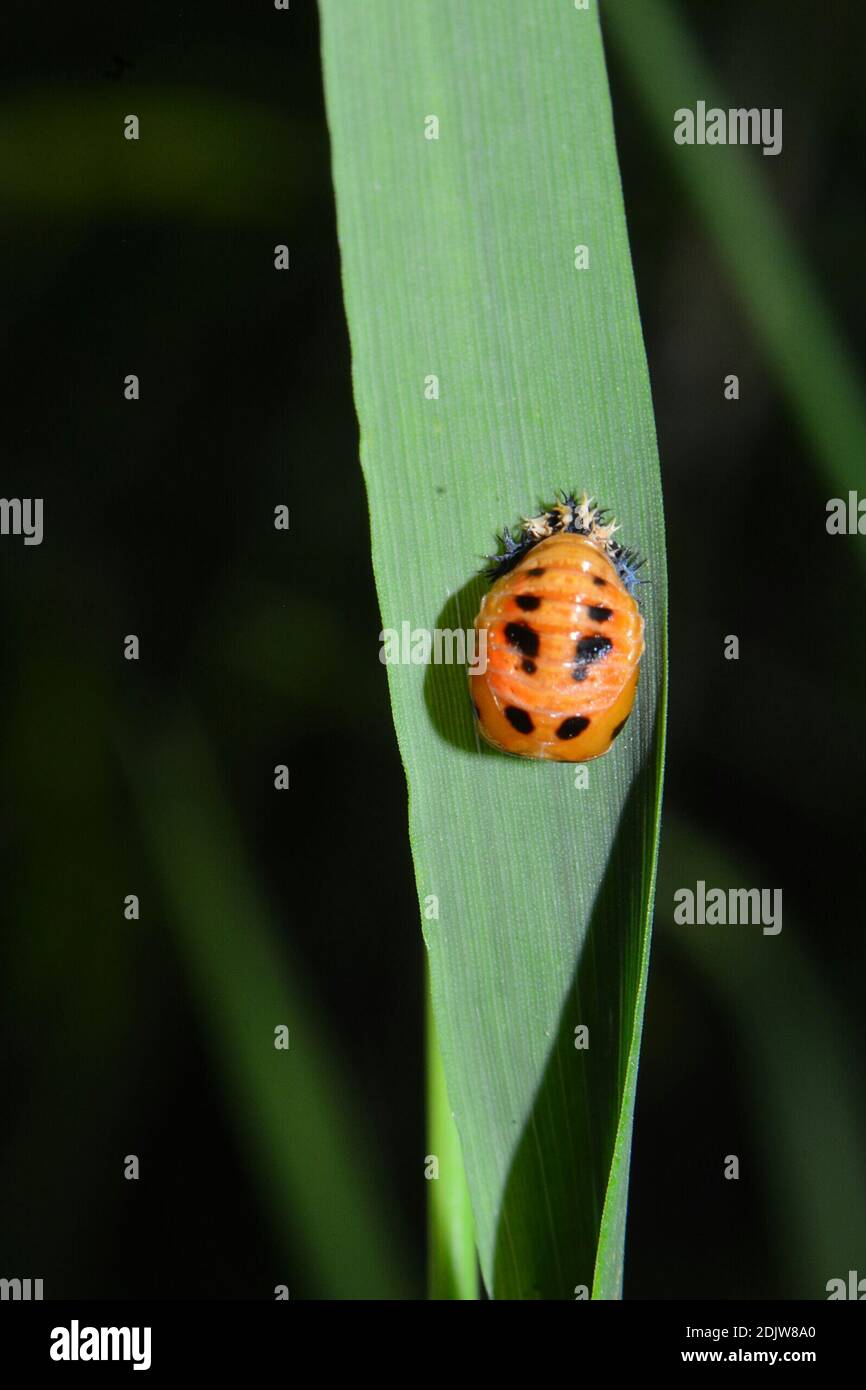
x=260, y=647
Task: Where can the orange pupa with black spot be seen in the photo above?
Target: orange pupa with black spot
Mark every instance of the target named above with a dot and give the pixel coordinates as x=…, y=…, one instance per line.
x=563, y=636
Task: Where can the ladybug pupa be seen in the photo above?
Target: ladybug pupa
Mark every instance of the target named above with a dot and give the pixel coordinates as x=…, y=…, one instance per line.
x=563, y=636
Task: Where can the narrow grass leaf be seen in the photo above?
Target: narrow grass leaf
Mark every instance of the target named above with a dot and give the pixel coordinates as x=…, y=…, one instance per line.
x=490, y=370
x=451, y=1258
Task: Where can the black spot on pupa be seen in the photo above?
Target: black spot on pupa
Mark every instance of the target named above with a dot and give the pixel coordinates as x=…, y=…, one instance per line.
x=523, y=637
x=598, y=613
x=597, y=579
x=619, y=728
x=477, y=710
x=587, y=651
x=570, y=728
x=539, y=571
x=519, y=719
x=528, y=602
x=529, y=667
x=591, y=648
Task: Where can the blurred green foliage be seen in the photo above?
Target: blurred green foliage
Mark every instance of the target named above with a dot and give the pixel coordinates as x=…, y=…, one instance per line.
x=202, y=157
x=750, y=237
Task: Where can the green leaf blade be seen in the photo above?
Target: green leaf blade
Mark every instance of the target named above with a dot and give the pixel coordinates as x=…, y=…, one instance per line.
x=458, y=261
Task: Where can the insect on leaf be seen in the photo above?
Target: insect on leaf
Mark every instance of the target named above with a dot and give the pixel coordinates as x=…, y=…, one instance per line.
x=497, y=356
